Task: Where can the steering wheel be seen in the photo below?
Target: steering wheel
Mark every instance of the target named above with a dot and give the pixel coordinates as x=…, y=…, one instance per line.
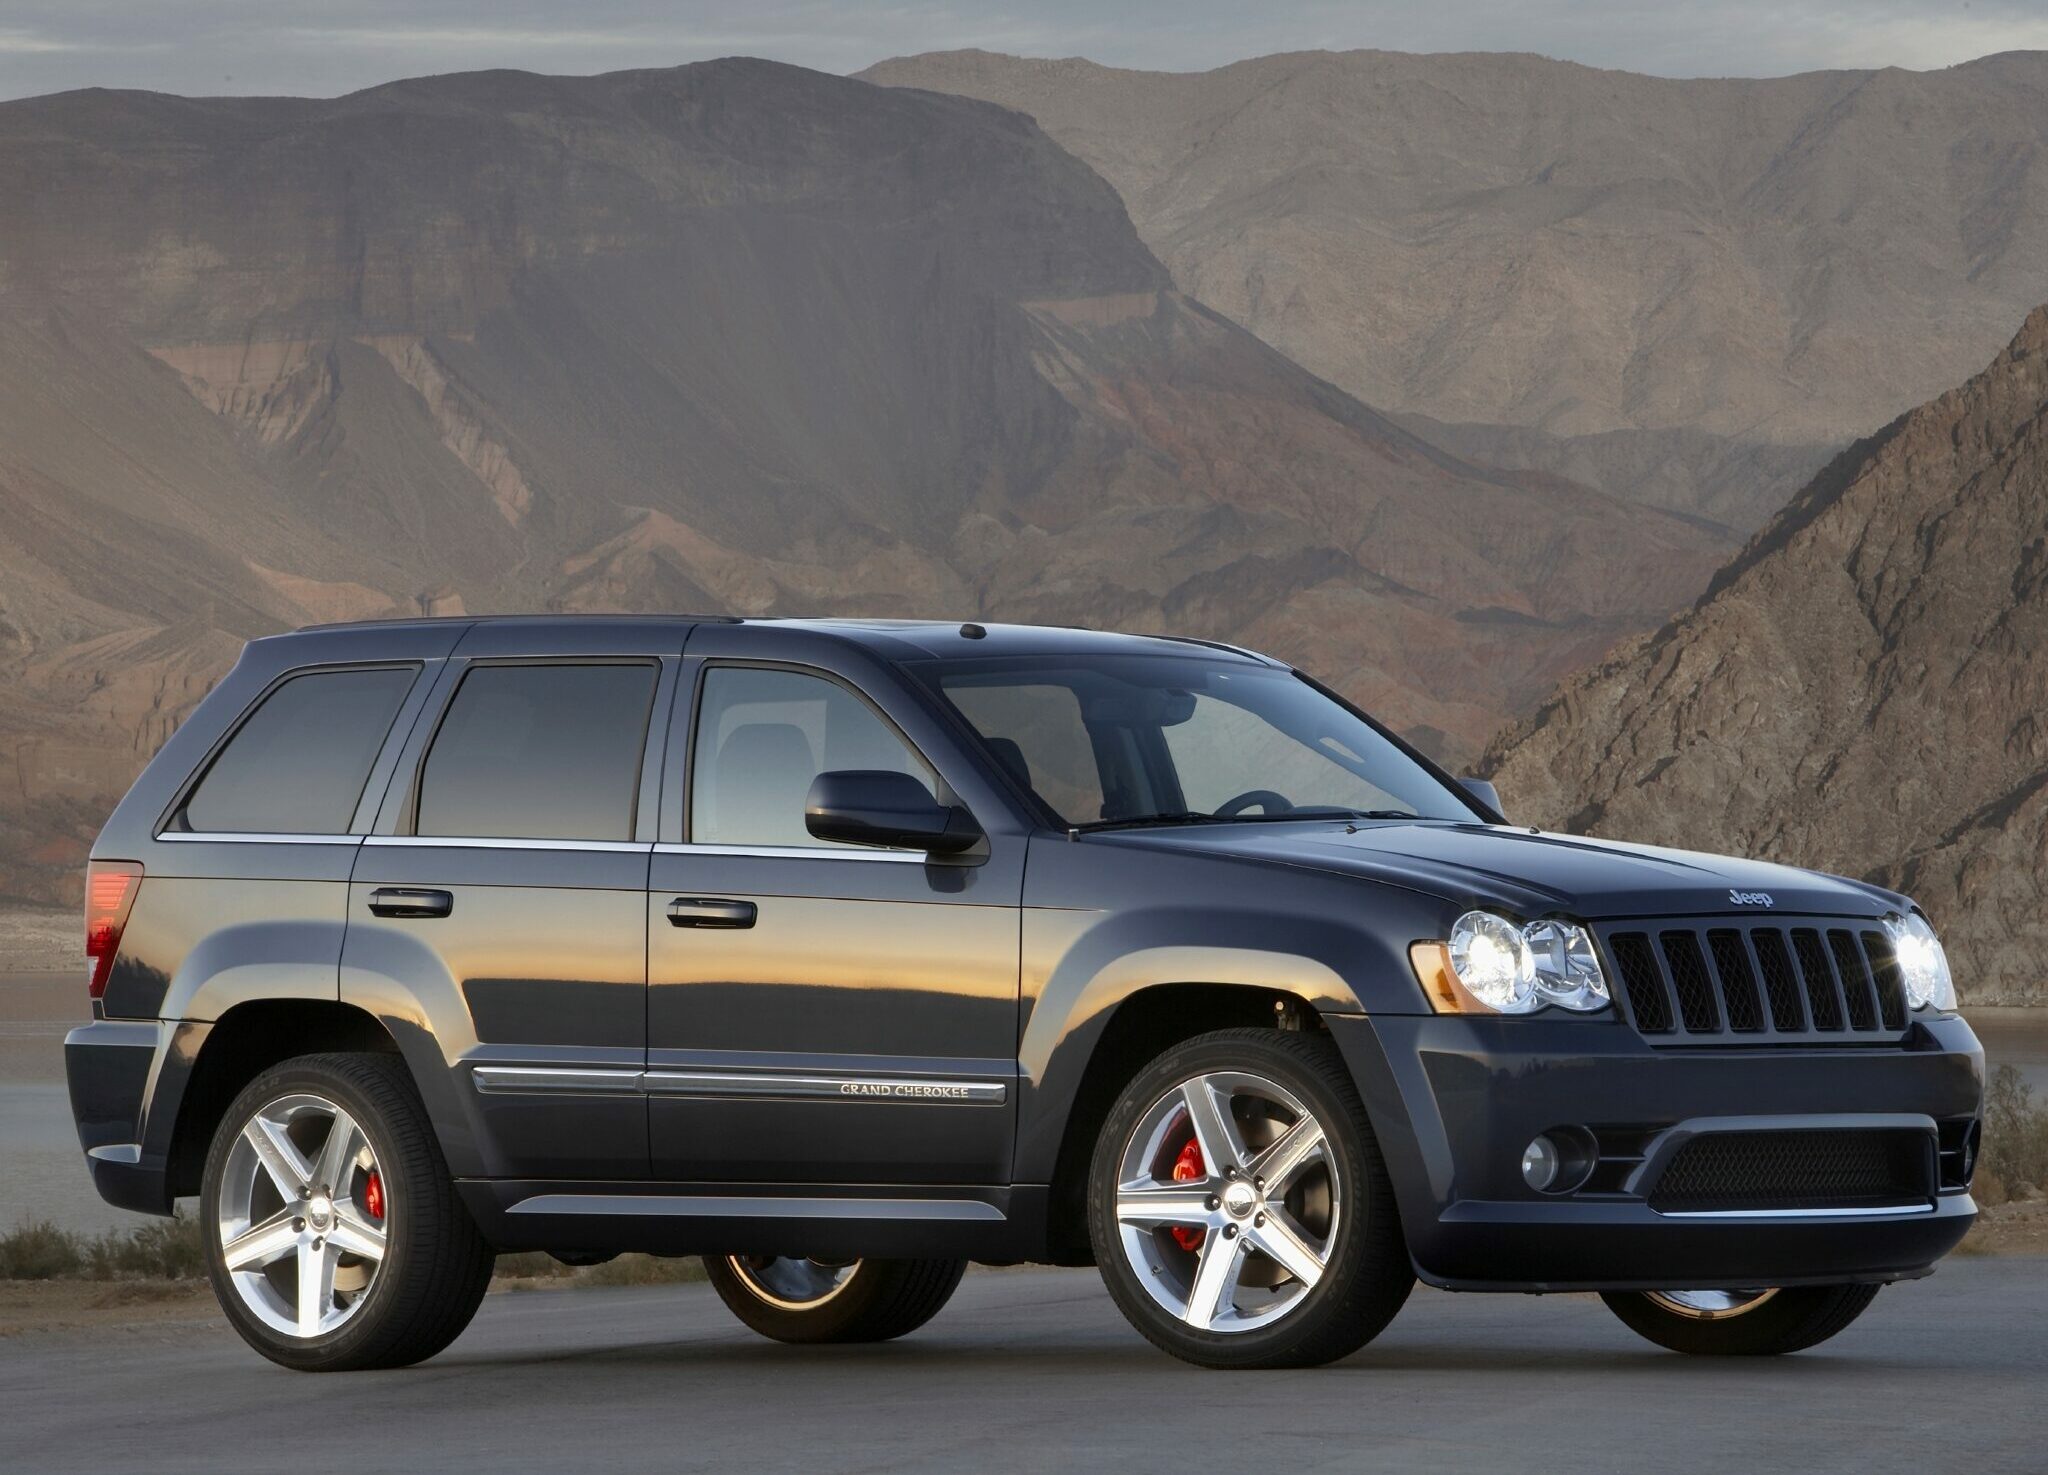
x=1265, y=799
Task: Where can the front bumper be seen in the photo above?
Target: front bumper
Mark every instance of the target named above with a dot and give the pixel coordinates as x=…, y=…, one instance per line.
x=1454, y=1100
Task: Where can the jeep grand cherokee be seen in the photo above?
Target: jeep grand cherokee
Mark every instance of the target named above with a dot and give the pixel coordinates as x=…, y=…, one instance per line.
x=844, y=953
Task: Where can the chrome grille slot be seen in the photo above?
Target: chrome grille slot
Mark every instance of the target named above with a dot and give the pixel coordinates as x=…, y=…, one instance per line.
x=1696, y=1003
x=1643, y=981
x=1738, y=979
x=1781, y=983
x=1822, y=997
x=1855, y=976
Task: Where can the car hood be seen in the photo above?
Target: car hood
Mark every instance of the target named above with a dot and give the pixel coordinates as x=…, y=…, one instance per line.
x=1531, y=872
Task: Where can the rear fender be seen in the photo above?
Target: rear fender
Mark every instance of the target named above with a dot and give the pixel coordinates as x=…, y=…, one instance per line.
x=256, y=960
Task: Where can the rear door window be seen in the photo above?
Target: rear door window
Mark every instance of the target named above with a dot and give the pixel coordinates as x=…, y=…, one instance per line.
x=539, y=752
x=298, y=764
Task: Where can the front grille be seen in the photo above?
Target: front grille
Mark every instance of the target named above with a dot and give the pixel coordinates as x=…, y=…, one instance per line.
x=1806, y=1169
x=1733, y=981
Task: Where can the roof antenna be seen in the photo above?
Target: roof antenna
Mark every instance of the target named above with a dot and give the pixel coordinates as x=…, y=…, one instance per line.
x=973, y=631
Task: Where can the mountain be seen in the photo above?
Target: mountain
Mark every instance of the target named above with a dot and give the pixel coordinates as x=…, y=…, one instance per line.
x=1865, y=689
x=734, y=336
x=1689, y=293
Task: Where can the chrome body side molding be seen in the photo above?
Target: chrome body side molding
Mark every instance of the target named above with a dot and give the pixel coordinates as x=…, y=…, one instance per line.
x=532, y=1080
x=752, y=1085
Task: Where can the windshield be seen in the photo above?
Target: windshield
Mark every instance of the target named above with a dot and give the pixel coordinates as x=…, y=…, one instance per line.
x=1115, y=740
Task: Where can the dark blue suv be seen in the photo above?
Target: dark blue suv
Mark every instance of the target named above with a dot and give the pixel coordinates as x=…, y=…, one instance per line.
x=844, y=953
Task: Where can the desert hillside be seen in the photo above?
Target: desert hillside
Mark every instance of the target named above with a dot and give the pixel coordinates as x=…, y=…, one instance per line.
x=734, y=336
x=1865, y=689
x=1688, y=293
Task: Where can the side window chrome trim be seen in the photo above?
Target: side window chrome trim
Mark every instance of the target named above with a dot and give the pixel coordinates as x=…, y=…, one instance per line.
x=494, y=842
x=797, y=852
x=253, y=837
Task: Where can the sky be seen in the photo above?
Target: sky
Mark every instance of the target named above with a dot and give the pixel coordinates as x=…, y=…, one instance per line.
x=327, y=47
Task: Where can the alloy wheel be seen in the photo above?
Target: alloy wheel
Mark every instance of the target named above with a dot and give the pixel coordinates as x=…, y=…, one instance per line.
x=302, y=1215
x=1228, y=1202
x=1710, y=1305
x=790, y=1283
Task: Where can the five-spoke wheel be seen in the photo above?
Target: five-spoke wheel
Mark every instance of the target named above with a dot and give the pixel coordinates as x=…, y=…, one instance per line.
x=1228, y=1202
x=335, y=1236
x=300, y=1215
x=1240, y=1210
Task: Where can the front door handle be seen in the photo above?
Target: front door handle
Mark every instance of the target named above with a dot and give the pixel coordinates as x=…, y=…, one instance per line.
x=704, y=911
x=410, y=901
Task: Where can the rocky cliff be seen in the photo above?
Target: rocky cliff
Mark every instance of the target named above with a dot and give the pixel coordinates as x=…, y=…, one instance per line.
x=1864, y=689
x=734, y=336
x=1687, y=292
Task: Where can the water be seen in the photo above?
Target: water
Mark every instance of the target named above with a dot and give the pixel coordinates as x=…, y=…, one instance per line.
x=2016, y=1037
x=42, y=1173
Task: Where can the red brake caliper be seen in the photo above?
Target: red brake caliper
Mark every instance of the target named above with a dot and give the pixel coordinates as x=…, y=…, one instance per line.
x=373, y=1197
x=1186, y=1168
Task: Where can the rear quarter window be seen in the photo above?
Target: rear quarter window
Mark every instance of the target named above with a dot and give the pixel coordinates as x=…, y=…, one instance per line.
x=297, y=765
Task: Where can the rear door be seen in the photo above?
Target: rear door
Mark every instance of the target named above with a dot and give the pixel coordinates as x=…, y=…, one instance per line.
x=820, y=1013
x=501, y=902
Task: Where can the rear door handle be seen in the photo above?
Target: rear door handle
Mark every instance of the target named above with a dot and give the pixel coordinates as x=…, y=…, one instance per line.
x=411, y=901
x=704, y=911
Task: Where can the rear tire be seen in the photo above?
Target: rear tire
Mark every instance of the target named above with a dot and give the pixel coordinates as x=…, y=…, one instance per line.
x=811, y=1301
x=1773, y=1323
x=1301, y=1210
x=397, y=1267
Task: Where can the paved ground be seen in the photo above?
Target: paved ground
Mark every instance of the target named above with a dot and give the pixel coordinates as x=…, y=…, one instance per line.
x=1032, y=1370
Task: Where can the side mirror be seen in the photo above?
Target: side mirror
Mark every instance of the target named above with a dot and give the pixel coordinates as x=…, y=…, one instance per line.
x=873, y=806
x=1484, y=792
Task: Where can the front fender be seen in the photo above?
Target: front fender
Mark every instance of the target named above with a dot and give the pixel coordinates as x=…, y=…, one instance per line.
x=1079, y=967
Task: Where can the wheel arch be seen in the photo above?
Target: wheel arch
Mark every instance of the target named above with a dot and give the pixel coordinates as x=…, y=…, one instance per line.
x=1139, y=1028
x=233, y=1050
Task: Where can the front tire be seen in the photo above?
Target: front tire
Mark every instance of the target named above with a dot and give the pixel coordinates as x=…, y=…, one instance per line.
x=1760, y=1323
x=809, y=1301
x=1239, y=1207
x=334, y=1239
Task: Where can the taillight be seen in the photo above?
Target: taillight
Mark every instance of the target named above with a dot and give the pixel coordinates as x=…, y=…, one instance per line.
x=110, y=887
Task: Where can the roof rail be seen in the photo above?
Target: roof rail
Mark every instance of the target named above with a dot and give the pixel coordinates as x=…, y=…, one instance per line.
x=1236, y=650
x=387, y=621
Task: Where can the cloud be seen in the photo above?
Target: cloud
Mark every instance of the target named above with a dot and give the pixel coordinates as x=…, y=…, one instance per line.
x=30, y=43
x=323, y=47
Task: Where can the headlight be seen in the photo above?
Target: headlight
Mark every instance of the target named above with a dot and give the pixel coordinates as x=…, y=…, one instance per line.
x=1923, y=966
x=1491, y=958
x=1492, y=964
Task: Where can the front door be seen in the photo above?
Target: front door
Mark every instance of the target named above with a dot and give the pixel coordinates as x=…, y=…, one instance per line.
x=821, y=1013
x=506, y=903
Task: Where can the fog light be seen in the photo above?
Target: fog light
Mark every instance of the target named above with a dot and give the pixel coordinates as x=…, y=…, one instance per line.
x=1540, y=1163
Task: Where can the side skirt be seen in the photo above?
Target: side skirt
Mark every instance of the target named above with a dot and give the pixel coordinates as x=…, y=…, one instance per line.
x=838, y=1220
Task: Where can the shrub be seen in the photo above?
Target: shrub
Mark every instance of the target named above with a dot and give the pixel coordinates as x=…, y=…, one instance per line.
x=162, y=1249
x=36, y=1249
x=626, y=1270
x=2015, y=1131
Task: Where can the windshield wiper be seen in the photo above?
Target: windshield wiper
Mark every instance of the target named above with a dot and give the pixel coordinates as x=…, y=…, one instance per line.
x=1189, y=817
x=1135, y=821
